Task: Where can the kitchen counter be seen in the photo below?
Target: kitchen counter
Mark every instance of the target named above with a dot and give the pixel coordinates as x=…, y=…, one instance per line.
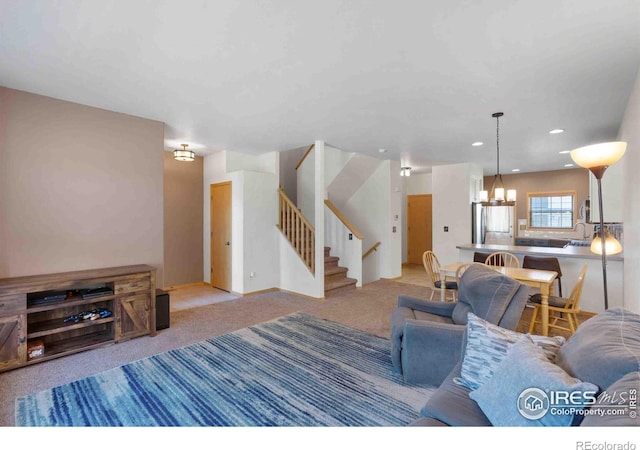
x=570, y=251
x=571, y=259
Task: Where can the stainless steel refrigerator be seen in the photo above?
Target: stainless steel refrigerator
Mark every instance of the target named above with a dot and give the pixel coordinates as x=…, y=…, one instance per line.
x=493, y=224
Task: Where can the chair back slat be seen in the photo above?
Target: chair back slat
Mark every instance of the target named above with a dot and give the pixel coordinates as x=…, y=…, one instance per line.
x=502, y=259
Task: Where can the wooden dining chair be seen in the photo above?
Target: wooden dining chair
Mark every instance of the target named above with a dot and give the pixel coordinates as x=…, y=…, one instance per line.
x=505, y=259
x=545, y=263
x=432, y=266
x=560, y=309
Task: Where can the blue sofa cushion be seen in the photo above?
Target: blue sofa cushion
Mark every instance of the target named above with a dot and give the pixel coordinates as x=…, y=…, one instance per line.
x=451, y=404
x=616, y=397
x=518, y=392
x=486, y=346
x=604, y=348
x=484, y=292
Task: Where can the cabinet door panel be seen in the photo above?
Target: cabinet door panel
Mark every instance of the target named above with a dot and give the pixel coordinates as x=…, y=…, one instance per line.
x=13, y=344
x=132, y=316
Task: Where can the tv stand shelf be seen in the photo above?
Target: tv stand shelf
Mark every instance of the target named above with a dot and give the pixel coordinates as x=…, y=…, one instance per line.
x=33, y=310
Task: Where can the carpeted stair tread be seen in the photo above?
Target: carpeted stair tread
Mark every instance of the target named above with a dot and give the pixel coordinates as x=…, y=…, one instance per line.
x=345, y=282
x=333, y=270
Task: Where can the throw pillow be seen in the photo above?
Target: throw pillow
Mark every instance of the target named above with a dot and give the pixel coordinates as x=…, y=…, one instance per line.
x=487, y=345
x=528, y=390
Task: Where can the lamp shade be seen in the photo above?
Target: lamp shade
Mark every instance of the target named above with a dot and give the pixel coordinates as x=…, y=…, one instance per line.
x=599, y=155
x=611, y=245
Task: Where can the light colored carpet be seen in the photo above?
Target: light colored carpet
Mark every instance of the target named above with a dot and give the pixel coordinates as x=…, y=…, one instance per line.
x=368, y=309
x=297, y=370
x=195, y=296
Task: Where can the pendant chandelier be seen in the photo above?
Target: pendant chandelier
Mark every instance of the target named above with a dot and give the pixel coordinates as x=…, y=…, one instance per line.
x=184, y=154
x=496, y=196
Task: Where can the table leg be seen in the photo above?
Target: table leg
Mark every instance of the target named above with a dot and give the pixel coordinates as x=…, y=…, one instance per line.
x=544, y=308
x=443, y=277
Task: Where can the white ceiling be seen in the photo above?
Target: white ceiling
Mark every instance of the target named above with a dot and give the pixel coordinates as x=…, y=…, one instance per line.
x=417, y=78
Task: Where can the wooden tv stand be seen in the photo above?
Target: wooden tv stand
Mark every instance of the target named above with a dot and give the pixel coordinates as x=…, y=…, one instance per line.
x=39, y=314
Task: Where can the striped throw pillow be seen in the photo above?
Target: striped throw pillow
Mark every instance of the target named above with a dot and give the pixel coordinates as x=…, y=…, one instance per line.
x=487, y=345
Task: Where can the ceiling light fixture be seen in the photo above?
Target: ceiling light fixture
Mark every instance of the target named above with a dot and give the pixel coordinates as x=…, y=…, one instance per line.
x=556, y=131
x=184, y=154
x=477, y=144
x=405, y=171
x=496, y=196
x=597, y=158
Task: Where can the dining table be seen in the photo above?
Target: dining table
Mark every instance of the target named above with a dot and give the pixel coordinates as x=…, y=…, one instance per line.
x=539, y=279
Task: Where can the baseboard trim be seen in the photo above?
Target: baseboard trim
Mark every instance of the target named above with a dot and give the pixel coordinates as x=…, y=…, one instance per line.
x=178, y=286
x=308, y=297
x=249, y=294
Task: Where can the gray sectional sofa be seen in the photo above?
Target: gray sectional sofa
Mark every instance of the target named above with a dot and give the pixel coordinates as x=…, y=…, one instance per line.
x=601, y=363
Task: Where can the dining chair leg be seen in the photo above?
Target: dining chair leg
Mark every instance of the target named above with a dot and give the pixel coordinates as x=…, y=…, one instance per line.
x=534, y=315
x=572, y=327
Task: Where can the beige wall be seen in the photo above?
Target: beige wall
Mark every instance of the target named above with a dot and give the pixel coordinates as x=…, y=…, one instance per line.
x=555, y=180
x=80, y=187
x=183, y=222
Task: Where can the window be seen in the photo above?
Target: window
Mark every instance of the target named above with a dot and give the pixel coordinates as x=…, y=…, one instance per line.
x=551, y=209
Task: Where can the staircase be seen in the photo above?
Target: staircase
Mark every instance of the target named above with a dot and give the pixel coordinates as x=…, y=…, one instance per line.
x=335, y=277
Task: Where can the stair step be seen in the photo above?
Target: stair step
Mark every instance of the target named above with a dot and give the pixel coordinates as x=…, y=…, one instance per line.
x=335, y=274
x=327, y=251
x=330, y=261
x=336, y=287
x=334, y=270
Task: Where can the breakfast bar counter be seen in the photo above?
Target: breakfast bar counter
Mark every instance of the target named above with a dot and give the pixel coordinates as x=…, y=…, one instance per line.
x=571, y=259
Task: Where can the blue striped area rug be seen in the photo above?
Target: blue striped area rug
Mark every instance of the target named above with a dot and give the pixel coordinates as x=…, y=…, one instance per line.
x=297, y=370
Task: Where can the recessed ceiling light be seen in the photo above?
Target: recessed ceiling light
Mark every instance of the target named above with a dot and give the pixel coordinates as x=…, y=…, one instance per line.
x=477, y=144
x=556, y=131
x=568, y=165
x=515, y=170
x=382, y=150
x=564, y=151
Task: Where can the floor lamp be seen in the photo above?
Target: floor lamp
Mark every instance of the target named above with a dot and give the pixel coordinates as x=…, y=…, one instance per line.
x=597, y=158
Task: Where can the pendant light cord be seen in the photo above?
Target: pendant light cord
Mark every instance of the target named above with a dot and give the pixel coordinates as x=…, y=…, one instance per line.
x=498, y=142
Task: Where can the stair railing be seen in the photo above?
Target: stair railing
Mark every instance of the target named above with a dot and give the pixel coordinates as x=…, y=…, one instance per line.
x=371, y=250
x=298, y=231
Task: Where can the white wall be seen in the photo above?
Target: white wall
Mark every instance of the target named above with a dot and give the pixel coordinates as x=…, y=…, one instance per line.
x=306, y=175
x=260, y=252
x=288, y=160
x=630, y=132
x=375, y=209
x=418, y=183
x=334, y=161
x=452, y=199
x=254, y=244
